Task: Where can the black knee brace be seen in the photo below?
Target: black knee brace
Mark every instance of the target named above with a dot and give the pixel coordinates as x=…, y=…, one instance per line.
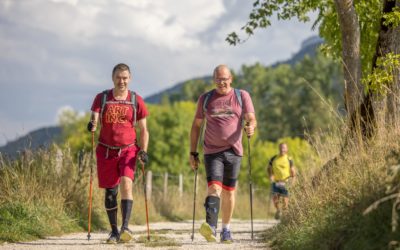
x=110, y=200
x=212, y=210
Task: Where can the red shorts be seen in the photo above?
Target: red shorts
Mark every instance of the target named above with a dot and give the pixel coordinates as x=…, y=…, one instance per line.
x=111, y=168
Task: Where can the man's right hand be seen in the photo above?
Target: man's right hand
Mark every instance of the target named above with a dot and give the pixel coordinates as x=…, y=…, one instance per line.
x=91, y=127
x=272, y=178
x=194, y=160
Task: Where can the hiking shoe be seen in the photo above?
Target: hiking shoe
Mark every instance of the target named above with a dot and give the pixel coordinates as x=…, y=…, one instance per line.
x=126, y=235
x=278, y=215
x=208, y=232
x=226, y=236
x=113, y=238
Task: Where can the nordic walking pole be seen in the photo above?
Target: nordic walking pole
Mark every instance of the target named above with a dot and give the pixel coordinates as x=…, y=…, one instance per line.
x=196, y=157
x=250, y=183
x=145, y=202
x=194, y=201
x=90, y=188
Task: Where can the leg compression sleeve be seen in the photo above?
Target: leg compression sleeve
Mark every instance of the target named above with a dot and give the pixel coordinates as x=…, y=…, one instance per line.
x=111, y=205
x=212, y=210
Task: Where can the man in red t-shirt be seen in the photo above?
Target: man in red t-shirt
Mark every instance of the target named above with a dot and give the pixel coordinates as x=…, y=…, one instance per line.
x=117, y=148
x=223, y=149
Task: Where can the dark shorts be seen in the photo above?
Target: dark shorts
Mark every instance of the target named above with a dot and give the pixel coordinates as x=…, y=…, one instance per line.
x=280, y=189
x=223, y=169
x=110, y=168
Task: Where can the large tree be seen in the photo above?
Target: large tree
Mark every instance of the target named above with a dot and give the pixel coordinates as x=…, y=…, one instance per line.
x=350, y=29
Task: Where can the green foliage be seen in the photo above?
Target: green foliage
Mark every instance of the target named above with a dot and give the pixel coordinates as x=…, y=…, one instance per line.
x=288, y=99
x=392, y=18
x=327, y=210
x=263, y=10
x=169, y=128
x=383, y=74
x=74, y=131
x=369, y=13
x=192, y=89
x=262, y=151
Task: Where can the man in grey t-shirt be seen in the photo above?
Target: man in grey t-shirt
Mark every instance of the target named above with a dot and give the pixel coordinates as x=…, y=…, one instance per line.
x=224, y=110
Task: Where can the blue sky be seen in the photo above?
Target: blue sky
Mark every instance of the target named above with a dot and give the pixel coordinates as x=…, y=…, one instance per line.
x=58, y=54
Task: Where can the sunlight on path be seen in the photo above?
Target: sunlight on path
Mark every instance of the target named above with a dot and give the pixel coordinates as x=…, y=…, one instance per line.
x=177, y=232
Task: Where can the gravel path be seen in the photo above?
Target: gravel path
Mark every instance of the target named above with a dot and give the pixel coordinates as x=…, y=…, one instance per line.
x=164, y=235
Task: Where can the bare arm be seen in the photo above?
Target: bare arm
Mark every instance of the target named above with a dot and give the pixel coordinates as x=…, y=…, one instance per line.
x=94, y=118
x=251, y=123
x=194, y=139
x=270, y=173
x=144, y=134
x=293, y=173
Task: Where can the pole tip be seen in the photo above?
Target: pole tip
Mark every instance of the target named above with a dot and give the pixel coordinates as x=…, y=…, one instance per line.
x=88, y=237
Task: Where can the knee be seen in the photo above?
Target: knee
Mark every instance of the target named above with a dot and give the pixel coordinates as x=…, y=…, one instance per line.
x=126, y=185
x=214, y=190
x=110, y=200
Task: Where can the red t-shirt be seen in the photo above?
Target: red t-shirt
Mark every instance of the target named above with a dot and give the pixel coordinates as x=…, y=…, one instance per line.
x=224, y=129
x=117, y=119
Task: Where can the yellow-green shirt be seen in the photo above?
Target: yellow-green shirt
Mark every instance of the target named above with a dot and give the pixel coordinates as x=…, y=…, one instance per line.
x=281, y=165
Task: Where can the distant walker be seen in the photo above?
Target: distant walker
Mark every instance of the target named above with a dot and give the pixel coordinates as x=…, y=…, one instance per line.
x=280, y=169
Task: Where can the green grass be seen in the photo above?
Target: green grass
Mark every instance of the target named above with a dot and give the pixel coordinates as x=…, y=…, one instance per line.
x=19, y=222
x=326, y=209
x=158, y=241
x=40, y=197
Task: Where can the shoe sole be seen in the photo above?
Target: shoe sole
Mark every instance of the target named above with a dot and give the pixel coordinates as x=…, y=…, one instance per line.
x=207, y=232
x=111, y=242
x=125, y=237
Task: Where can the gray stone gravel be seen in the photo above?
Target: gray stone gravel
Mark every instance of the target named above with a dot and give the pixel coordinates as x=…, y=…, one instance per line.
x=179, y=231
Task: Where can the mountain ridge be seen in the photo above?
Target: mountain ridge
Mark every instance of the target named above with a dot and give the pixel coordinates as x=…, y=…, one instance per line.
x=308, y=47
x=43, y=137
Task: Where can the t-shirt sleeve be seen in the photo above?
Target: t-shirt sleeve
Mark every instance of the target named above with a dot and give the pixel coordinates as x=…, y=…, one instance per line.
x=247, y=102
x=141, y=111
x=199, y=110
x=96, y=105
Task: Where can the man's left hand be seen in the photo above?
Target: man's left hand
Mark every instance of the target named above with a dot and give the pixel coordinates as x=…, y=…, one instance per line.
x=143, y=157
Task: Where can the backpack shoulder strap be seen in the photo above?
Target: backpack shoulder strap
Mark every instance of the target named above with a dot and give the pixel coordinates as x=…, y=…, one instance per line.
x=207, y=99
x=272, y=160
x=103, y=103
x=238, y=94
x=134, y=106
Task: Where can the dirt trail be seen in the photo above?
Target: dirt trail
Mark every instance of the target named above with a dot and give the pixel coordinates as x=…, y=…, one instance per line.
x=176, y=235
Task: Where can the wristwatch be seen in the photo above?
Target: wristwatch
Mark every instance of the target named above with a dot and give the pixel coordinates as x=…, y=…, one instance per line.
x=195, y=154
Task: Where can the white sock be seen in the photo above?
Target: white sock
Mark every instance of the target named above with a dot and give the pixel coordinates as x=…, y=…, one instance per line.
x=225, y=226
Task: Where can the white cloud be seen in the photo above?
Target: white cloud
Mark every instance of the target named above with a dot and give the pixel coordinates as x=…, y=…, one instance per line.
x=61, y=52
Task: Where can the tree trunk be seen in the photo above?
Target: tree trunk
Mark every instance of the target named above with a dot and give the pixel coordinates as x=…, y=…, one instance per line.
x=386, y=107
x=350, y=31
x=389, y=42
